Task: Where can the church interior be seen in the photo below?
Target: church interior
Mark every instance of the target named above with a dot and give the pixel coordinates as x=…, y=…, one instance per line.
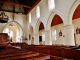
x=39, y=29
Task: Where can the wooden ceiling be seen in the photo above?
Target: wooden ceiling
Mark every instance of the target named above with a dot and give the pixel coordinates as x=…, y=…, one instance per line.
x=76, y=13
x=56, y=20
x=41, y=26
x=28, y=5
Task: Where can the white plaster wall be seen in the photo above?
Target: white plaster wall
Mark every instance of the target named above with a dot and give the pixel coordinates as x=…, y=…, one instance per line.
x=62, y=8
x=60, y=39
x=21, y=19
x=76, y=23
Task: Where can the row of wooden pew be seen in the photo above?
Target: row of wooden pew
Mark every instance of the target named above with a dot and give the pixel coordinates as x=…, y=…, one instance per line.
x=11, y=53
x=71, y=52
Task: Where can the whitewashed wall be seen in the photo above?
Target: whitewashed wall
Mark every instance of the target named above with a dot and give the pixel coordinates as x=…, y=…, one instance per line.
x=60, y=40
x=20, y=19
x=62, y=8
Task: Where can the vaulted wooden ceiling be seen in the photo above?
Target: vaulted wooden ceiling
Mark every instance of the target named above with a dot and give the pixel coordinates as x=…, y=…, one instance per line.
x=28, y=5
x=56, y=20
x=41, y=26
x=76, y=13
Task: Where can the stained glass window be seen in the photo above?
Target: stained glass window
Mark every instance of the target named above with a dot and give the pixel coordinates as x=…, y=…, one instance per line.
x=54, y=35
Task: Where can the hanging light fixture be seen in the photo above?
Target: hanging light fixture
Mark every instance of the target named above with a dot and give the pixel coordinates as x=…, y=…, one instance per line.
x=19, y=12
x=3, y=18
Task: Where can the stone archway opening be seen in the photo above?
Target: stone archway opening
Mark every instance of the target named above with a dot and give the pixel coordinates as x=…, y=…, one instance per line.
x=14, y=31
x=41, y=34
x=53, y=20
x=31, y=35
x=57, y=30
x=76, y=23
x=37, y=34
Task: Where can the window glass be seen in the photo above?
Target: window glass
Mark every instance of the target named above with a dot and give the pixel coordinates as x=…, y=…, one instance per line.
x=51, y=4
x=38, y=12
x=43, y=36
x=11, y=33
x=30, y=18
x=54, y=35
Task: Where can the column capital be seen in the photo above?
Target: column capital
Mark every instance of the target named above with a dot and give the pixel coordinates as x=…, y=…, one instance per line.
x=36, y=33
x=47, y=30
x=69, y=26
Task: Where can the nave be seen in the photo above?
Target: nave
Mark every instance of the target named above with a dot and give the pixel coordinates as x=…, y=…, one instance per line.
x=36, y=52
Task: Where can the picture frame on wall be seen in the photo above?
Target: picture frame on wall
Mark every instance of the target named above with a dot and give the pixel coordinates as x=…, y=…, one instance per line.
x=77, y=31
x=60, y=33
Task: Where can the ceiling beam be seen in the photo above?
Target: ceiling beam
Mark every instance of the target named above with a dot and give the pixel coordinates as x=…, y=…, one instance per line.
x=15, y=4
x=0, y=4
x=10, y=11
x=33, y=6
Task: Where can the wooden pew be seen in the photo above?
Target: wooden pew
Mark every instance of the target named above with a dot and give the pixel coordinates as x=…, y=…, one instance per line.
x=41, y=56
x=19, y=57
x=16, y=54
x=59, y=58
x=12, y=50
x=60, y=51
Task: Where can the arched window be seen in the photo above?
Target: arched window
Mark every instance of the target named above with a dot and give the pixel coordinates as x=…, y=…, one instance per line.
x=17, y=33
x=54, y=35
x=38, y=12
x=43, y=36
x=30, y=18
x=11, y=33
x=17, y=38
x=7, y=31
x=51, y=4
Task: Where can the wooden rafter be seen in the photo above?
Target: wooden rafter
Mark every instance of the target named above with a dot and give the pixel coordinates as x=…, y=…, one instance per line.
x=10, y=11
x=33, y=6
x=15, y=4
x=0, y=4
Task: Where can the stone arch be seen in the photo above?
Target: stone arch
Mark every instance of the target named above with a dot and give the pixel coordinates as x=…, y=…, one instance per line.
x=30, y=26
x=48, y=24
x=17, y=24
x=71, y=12
x=31, y=33
x=37, y=26
x=36, y=32
x=16, y=27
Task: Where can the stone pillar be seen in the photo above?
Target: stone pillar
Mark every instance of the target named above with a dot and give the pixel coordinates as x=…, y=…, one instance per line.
x=48, y=40
x=36, y=39
x=69, y=35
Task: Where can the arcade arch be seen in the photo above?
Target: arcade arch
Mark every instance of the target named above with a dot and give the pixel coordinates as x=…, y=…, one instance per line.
x=17, y=31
